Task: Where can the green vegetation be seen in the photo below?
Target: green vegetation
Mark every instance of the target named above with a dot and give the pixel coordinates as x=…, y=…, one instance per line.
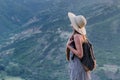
x=41, y=56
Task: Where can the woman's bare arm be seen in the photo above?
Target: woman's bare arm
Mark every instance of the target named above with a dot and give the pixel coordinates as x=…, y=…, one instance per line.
x=78, y=44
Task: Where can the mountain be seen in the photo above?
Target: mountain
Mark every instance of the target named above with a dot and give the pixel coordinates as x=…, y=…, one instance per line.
x=33, y=36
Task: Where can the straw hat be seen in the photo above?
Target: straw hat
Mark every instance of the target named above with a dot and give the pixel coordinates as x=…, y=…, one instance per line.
x=78, y=22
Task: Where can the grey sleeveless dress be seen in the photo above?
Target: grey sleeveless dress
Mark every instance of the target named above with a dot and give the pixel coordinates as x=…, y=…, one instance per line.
x=76, y=69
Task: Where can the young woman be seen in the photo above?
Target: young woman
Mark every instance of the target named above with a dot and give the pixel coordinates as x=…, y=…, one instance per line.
x=74, y=47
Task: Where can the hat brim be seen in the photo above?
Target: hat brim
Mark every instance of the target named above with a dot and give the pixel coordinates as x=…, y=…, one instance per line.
x=74, y=25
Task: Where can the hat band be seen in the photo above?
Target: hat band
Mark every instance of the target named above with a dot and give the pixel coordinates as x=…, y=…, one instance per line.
x=77, y=24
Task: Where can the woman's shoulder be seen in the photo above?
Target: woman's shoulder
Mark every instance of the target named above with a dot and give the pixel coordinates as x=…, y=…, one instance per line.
x=77, y=36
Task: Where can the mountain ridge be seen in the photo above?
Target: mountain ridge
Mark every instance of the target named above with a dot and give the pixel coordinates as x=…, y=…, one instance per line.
x=36, y=47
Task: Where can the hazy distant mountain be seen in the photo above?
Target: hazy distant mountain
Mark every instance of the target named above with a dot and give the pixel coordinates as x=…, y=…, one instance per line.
x=33, y=35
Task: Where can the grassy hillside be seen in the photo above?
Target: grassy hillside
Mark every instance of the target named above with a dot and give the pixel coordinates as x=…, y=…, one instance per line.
x=34, y=33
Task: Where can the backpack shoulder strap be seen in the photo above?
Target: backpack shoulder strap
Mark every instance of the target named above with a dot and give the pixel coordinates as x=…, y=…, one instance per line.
x=91, y=49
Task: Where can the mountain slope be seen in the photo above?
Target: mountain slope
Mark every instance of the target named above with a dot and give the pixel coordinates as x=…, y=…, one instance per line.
x=34, y=47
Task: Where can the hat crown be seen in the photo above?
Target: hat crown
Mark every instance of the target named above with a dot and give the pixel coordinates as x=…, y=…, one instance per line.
x=80, y=21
